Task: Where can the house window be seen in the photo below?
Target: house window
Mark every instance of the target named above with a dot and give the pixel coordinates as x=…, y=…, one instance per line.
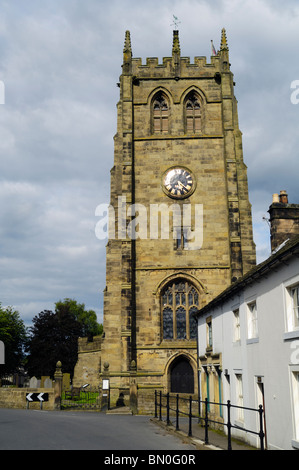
x=293, y=317
x=236, y=325
x=239, y=396
x=295, y=305
x=292, y=307
x=209, y=333
x=295, y=390
x=192, y=114
x=160, y=114
x=179, y=304
x=252, y=320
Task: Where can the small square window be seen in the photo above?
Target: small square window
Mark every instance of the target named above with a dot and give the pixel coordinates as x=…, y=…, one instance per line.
x=181, y=237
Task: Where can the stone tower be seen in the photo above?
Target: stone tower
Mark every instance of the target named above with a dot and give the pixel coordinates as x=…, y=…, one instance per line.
x=181, y=227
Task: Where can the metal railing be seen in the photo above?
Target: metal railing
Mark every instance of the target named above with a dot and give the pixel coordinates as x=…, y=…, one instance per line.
x=184, y=406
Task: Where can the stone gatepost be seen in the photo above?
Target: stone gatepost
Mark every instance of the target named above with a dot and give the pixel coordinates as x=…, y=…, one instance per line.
x=58, y=377
x=133, y=387
x=105, y=403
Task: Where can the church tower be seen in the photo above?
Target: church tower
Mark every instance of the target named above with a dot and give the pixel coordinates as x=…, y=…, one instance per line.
x=180, y=218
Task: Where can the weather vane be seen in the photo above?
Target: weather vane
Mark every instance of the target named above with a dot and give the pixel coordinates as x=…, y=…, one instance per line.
x=175, y=22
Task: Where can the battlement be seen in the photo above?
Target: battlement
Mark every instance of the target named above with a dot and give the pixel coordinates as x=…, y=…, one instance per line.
x=176, y=66
x=90, y=344
x=153, y=68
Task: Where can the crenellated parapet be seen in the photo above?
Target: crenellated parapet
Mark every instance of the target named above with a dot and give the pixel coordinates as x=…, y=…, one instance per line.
x=152, y=68
x=89, y=344
x=176, y=66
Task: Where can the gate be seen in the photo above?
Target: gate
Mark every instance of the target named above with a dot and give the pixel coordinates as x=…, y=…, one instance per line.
x=85, y=397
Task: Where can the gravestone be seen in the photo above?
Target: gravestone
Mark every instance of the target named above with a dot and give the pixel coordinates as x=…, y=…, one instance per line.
x=48, y=383
x=33, y=382
x=66, y=381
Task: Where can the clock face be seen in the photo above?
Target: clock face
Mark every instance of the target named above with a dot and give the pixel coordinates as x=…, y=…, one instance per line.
x=178, y=183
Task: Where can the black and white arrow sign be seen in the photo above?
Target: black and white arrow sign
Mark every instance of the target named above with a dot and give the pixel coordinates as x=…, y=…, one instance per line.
x=37, y=396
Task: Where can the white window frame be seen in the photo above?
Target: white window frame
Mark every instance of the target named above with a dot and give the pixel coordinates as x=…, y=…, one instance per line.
x=239, y=397
x=252, y=320
x=295, y=404
x=209, y=333
x=236, y=325
x=292, y=311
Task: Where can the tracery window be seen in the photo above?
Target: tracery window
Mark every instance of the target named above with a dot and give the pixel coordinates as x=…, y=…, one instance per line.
x=160, y=114
x=193, y=114
x=180, y=301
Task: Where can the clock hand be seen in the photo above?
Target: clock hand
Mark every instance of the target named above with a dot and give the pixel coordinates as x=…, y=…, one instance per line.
x=181, y=185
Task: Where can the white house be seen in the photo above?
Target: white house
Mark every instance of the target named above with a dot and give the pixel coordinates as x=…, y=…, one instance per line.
x=248, y=345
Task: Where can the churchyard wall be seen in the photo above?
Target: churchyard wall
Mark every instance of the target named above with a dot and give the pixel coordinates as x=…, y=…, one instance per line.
x=16, y=398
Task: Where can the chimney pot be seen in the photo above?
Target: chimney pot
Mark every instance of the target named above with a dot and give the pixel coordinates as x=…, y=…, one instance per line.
x=275, y=198
x=283, y=197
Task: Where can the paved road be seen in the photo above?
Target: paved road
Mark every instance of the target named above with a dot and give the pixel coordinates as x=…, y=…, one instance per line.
x=59, y=430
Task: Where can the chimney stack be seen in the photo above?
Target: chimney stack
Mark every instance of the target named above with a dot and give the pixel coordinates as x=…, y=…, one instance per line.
x=284, y=219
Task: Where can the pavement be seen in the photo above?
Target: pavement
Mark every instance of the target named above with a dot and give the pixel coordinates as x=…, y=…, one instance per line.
x=217, y=440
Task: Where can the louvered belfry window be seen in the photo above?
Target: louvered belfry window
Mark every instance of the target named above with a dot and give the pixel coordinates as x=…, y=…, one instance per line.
x=160, y=114
x=193, y=114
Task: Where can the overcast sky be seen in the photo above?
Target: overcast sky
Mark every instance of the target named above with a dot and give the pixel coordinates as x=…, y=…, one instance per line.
x=60, y=61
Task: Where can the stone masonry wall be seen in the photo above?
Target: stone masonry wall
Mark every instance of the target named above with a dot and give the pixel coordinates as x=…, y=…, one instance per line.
x=16, y=398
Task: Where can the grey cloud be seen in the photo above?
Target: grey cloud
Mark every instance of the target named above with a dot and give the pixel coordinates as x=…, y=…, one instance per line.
x=60, y=62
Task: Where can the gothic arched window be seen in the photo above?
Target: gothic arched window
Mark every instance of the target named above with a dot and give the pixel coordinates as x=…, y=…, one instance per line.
x=192, y=114
x=160, y=114
x=179, y=303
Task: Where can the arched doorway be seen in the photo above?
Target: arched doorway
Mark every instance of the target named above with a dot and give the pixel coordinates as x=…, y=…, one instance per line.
x=181, y=376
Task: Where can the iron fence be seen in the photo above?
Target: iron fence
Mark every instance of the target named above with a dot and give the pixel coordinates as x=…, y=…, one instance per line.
x=187, y=406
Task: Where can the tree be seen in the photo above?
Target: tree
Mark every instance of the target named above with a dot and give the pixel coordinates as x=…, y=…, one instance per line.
x=54, y=337
x=41, y=346
x=13, y=334
x=87, y=318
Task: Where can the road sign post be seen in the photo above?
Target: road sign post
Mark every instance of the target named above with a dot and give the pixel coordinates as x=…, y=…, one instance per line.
x=37, y=397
